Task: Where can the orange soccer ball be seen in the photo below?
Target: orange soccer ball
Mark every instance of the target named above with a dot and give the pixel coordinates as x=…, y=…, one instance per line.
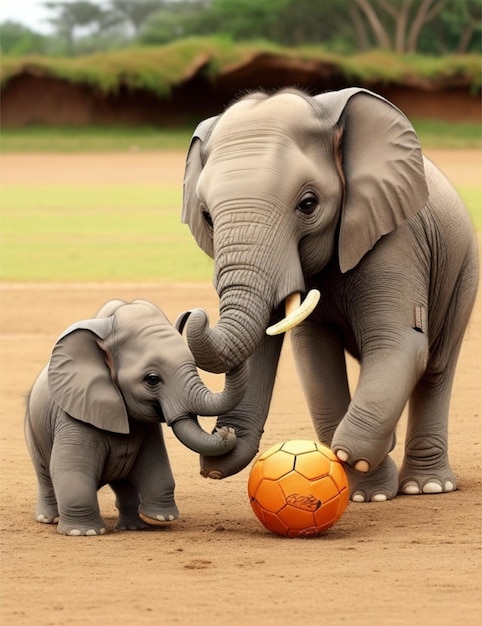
x=298, y=488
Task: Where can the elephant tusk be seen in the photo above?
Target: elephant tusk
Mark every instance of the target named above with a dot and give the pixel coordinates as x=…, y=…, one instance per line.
x=296, y=311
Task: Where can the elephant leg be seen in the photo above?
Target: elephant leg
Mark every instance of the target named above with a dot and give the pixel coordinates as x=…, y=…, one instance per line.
x=75, y=469
x=152, y=478
x=389, y=372
x=47, y=511
x=127, y=502
x=321, y=365
x=320, y=359
x=426, y=466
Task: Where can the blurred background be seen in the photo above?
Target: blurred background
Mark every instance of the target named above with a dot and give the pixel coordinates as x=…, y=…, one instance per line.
x=112, y=91
x=172, y=62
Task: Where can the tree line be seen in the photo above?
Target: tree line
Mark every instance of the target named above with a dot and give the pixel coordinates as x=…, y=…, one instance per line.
x=432, y=27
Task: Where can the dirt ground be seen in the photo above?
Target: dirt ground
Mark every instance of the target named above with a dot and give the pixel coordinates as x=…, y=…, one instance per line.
x=414, y=560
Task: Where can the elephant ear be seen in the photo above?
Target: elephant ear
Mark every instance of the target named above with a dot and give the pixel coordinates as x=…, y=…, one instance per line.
x=383, y=169
x=191, y=213
x=80, y=380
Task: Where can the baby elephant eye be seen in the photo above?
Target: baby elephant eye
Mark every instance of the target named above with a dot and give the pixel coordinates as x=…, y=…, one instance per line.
x=152, y=379
x=307, y=204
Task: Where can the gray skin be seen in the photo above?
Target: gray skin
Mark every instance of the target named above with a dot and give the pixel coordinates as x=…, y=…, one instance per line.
x=288, y=193
x=94, y=413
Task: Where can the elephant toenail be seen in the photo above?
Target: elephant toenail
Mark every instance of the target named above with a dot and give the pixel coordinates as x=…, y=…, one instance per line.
x=358, y=497
x=411, y=489
x=342, y=455
x=362, y=466
x=432, y=487
x=379, y=497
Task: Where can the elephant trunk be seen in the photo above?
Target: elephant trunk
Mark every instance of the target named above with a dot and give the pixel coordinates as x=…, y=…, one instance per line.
x=238, y=332
x=181, y=410
x=230, y=343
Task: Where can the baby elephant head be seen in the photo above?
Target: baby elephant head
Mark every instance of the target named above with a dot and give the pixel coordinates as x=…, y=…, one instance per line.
x=129, y=362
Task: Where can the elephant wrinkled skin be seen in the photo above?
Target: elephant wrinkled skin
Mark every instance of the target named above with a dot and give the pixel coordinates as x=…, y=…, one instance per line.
x=293, y=194
x=94, y=412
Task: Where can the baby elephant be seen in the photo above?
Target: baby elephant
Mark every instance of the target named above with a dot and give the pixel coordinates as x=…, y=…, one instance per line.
x=94, y=412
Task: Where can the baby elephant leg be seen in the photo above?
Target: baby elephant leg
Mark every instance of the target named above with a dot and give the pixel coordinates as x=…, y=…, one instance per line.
x=152, y=476
x=47, y=511
x=127, y=503
x=78, y=506
x=75, y=481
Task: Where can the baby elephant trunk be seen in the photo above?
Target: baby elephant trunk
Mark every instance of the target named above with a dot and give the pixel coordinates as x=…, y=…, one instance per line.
x=181, y=413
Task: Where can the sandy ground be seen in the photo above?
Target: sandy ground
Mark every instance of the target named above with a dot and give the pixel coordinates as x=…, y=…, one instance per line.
x=414, y=560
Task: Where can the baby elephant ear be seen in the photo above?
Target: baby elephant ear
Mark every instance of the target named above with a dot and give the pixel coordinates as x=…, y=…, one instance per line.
x=80, y=380
x=383, y=168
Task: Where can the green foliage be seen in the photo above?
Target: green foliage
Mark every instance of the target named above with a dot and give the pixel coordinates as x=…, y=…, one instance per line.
x=406, y=26
x=155, y=69
x=16, y=39
x=158, y=69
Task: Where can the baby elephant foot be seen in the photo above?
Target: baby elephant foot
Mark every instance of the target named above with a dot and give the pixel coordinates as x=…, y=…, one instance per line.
x=159, y=517
x=377, y=486
x=88, y=526
x=47, y=518
x=47, y=513
x=130, y=521
x=415, y=482
x=77, y=529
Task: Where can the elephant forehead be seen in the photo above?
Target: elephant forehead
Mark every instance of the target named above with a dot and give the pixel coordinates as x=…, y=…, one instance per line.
x=284, y=112
x=155, y=346
x=140, y=311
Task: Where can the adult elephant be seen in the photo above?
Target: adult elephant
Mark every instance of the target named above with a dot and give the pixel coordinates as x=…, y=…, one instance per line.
x=331, y=194
x=94, y=413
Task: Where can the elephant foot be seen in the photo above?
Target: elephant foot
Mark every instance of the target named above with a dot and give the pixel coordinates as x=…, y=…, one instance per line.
x=130, y=521
x=415, y=482
x=77, y=530
x=355, y=450
x=159, y=520
x=47, y=513
x=47, y=519
x=159, y=517
x=378, y=486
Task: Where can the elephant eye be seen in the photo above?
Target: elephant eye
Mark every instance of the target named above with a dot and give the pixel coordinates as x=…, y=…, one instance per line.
x=207, y=217
x=307, y=204
x=152, y=379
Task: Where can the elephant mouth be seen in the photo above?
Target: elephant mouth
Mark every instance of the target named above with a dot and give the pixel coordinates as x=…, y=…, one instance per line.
x=295, y=311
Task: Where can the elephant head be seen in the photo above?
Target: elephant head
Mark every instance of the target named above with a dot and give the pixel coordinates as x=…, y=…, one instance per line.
x=278, y=186
x=130, y=363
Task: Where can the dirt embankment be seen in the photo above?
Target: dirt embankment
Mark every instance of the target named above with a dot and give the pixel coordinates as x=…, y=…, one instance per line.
x=35, y=97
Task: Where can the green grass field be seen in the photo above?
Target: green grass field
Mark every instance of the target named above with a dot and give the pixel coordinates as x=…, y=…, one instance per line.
x=99, y=233
x=126, y=232
x=108, y=233
x=432, y=134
